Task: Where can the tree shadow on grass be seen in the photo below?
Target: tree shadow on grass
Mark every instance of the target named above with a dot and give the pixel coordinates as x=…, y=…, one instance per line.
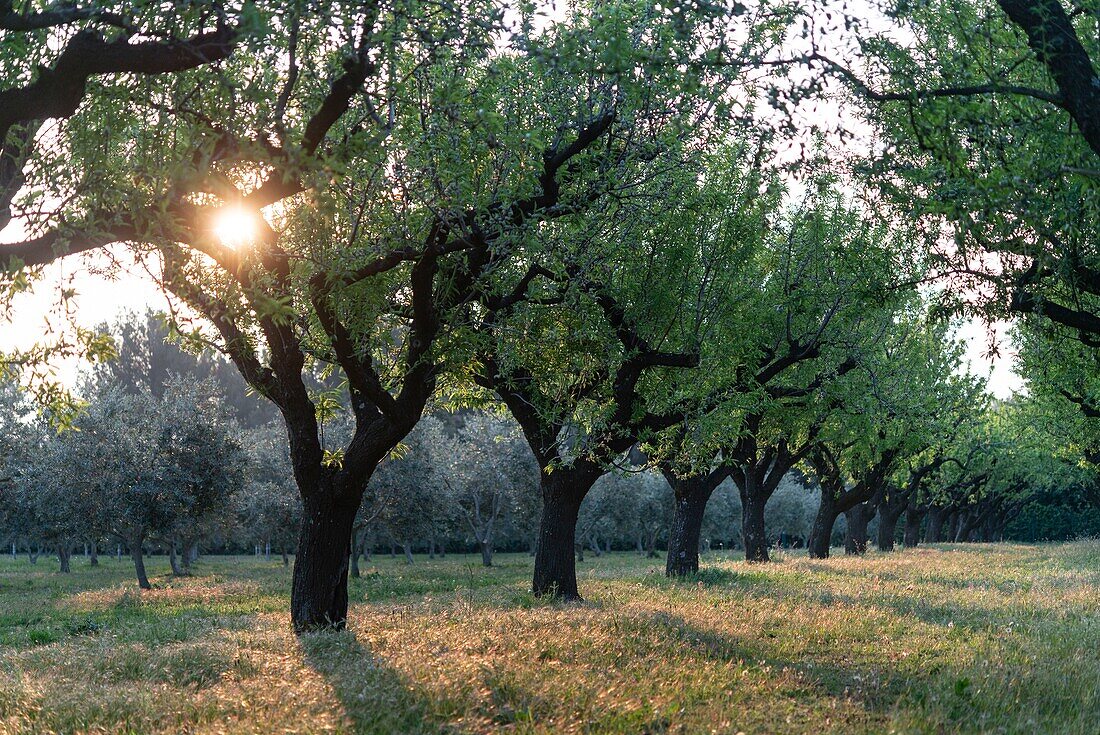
x=875, y=688
x=375, y=697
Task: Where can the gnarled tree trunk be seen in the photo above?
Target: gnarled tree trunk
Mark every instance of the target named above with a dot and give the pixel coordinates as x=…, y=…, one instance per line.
x=174, y=562
x=692, y=495
x=353, y=554
x=555, y=564
x=319, y=588
x=888, y=518
x=753, y=534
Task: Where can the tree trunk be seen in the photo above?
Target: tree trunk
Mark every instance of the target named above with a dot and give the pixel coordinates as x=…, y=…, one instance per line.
x=692, y=495
x=286, y=559
x=822, y=532
x=953, y=526
x=139, y=563
x=967, y=523
x=855, y=541
x=93, y=556
x=32, y=553
x=486, y=553
x=174, y=562
x=63, y=555
x=319, y=587
x=431, y=548
x=753, y=534
x=934, y=533
x=188, y=554
x=913, y=516
x=887, y=527
x=407, y=548
x=353, y=555
x=555, y=572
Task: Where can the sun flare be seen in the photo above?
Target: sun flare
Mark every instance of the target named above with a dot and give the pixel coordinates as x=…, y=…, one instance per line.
x=235, y=227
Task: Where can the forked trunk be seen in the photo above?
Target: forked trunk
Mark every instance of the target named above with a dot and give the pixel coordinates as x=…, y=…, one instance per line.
x=555, y=565
x=319, y=588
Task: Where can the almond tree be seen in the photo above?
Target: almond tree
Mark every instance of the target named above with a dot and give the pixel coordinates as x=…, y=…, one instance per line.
x=811, y=294
x=989, y=113
x=399, y=165
x=889, y=410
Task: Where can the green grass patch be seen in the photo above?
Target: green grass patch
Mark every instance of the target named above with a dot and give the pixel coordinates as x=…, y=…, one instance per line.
x=998, y=638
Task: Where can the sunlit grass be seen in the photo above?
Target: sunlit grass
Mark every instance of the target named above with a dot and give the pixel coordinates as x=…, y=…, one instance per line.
x=994, y=638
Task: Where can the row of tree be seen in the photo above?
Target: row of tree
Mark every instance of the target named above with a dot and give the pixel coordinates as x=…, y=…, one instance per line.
x=582, y=214
x=159, y=458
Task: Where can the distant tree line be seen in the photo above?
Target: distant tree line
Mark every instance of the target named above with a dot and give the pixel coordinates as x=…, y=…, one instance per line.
x=179, y=460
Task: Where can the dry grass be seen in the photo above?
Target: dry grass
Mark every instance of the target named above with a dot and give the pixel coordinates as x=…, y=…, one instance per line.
x=996, y=638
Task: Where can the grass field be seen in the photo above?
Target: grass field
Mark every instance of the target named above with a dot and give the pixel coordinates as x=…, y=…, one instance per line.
x=977, y=638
